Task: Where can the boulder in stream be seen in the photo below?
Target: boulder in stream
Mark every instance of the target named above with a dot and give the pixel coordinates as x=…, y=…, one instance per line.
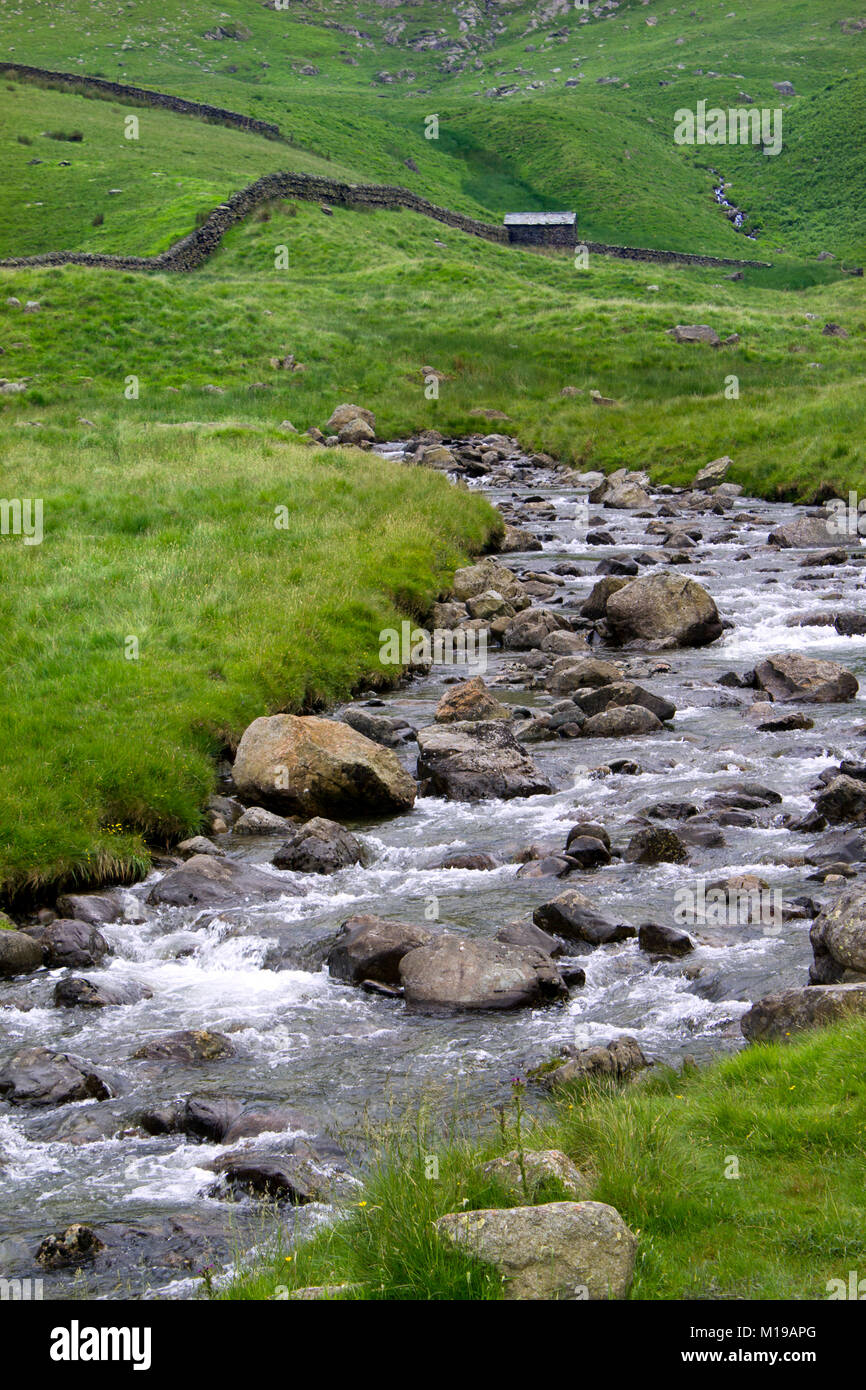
x=474, y=761
x=778, y=1016
x=790, y=676
x=320, y=847
x=38, y=1076
x=207, y=882
x=371, y=948
x=455, y=972
x=664, y=607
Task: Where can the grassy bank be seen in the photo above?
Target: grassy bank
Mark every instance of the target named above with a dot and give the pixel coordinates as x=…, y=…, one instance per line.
x=164, y=610
x=790, y=1119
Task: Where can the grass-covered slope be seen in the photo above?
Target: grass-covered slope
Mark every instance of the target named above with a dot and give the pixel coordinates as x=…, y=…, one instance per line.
x=167, y=536
x=742, y=1180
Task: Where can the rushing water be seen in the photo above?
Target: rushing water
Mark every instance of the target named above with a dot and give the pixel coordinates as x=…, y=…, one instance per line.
x=333, y=1052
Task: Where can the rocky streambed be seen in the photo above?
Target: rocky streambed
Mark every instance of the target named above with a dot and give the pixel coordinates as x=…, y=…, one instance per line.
x=621, y=817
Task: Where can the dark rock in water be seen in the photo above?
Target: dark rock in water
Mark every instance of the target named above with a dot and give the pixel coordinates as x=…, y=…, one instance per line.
x=72, y=993
x=622, y=721
x=776, y=1017
x=595, y=605
x=588, y=828
x=20, y=954
x=790, y=676
x=769, y=719
x=671, y=810
x=370, y=948
x=465, y=973
x=616, y=566
x=701, y=832
x=619, y=1059
x=276, y=1179
x=843, y=800
x=472, y=761
x=190, y=1046
x=113, y=905
x=547, y=866
x=69, y=943
x=587, y=852
x=575, y=918
x=207, y=882
x=38, y=1076
x=467, y=861
x=838, y=938
x=655, y=845
x=528, y=934
x=661, y=605
x=620, y=693
x=320, y=847
x=625, y=767
x=664, y=941
x=379, y=727
x=848, y=846
x=73, y=1247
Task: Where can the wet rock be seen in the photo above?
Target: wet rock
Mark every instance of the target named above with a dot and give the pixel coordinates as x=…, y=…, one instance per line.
x=470, y=860
x=622, y=721
x=671, y=810
x=776, y=1017
x=38, y=1076
x=299, y=764
x=619, y=1059
x=547, y=866
x=576, y=918
x=75, y=1246
x=564, y=643
x=530, y=629
x=516, y=539
x=664, y=941
x=664, y=606
x=587, y=852
x=528, y=934
x=790, y=676
x=69, y=943
x=572, y=673
x=702, y=833
x=838, y=938
x=470, y=701
x=588, y=828
x=198, y=844
x=463, y=973
x=556, y=1251
x=73, y=993
x=473, y=580
x=371, y=948
x=255, y=820
x=277, y=1179
x=534, y=1169
x=595, y=606
x=769, y=719
x=207, y=882
x=189, y=1046
x=113, y=905
x=655, y=845
x=20, y=953
x=805, y=532
x=320, y=847
x=843, y=800
x=472, y=761
x=624, y=693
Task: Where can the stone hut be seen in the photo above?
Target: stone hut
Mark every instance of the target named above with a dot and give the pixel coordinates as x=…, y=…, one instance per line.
x=542, y=228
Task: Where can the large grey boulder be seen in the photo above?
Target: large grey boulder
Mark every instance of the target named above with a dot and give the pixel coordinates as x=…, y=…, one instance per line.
x=74, y=992
x=371, y=948
x=790, y=676
x=777, y=1016
x=111, y=905
x=473, y=761
x=456, y=972
x=19, y=954
x=381, y=728
x=713, y=473
x=622, y=721
x=572, y=673
x=805, y=533
x=843, y=800
x=207, y=882
x=664, y=607
x=470, y=701
x=558, y=1251
x=838, y=938
x=575, y=917
x=624, y=693
x=529, y=629
x=299, y=764
x=695, y=333
x=38, y=1076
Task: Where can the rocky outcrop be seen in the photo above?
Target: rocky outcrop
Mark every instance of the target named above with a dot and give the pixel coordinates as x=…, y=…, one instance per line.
x=456, y=972
x=474, y=761
x=315, y=767
x=664, y=607
x=778, y=1016
x=559, y=1251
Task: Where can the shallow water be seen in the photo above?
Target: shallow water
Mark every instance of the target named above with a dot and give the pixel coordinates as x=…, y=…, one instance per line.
x=335, y=1053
